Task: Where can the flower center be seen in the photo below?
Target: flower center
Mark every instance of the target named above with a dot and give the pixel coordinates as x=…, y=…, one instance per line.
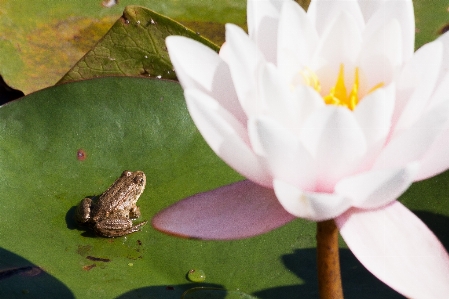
x=338, y=94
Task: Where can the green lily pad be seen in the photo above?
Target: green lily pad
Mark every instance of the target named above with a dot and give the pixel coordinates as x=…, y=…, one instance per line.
x=430, y=18
x=134, y=46
x=64, y=143
x=41, y=40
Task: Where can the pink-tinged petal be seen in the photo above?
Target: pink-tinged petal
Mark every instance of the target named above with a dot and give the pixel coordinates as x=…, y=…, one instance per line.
x=436, y=159
x=399, y=249
x=263, y=19
x=444, y=39
x=310, y=205
x=284, y=155
x=416, y=84
x=441, y=93
x=339, y=45
x=226, y=136
x=377, y=188
x=199, y=67
x=413, y=143
x=321, y=11
x=336, y=141
x=374, y=114
x=236, y=211
x=381, y=55
x=378, y=13
x=297, y=39
x=244, y=59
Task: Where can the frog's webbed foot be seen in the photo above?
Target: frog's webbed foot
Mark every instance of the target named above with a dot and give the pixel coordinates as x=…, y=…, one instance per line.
x=116, y=227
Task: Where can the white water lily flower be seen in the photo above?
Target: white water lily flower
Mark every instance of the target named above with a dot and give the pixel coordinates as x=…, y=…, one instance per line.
x=332, y=109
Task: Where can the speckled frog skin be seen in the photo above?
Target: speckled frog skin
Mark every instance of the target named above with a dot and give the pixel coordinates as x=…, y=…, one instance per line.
x=112, y=214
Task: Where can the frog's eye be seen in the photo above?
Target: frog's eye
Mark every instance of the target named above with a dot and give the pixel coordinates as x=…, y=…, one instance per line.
x=127, y=173
x=139, y=180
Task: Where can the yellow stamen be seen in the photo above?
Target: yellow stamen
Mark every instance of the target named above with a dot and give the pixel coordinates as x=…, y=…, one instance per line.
x=338, y=94
x=311, y=79
x=379, y=85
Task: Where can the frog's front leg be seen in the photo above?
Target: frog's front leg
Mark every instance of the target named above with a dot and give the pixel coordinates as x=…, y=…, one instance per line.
x=134, y=213
x=116, y=227
x=83, y=211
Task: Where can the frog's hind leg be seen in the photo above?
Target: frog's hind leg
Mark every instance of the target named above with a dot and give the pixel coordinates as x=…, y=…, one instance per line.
x=138, y=226
x=116, y=227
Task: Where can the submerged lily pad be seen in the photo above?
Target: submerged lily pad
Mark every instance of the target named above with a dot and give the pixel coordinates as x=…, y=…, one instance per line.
x=64, y=143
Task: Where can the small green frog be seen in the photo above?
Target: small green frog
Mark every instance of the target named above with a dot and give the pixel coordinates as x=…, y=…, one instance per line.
x=112, y=214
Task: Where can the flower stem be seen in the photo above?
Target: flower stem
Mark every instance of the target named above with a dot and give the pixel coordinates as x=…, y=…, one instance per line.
x=328, y=261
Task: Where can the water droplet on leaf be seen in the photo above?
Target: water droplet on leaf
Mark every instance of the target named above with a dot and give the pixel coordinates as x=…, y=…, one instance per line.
x=196, y=275
x=109, y=3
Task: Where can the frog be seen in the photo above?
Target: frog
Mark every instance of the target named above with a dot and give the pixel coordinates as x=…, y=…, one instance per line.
x=112, y=213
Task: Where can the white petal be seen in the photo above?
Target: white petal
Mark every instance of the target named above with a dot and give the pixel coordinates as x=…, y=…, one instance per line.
x=321, y=11
x=374, y=114
x=336, y=141
x=377, y=188
x=263, y=19
x=284, y=155
x=309, y=205
x=413, y=143
x=297, y=39
x=276, y=99
x=199, y=67
x=339, y=45
x=416, y=84
x=308, y=101
x=381, y=55
x=225, y=135
x=368, y=8
x=399, y=249
x=378, y=13
x=243, y=59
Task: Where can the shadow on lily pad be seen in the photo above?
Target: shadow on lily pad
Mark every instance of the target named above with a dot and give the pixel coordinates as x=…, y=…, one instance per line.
x=21, y=278
x=72, y=225
x=175, y=291
x=357, y=281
